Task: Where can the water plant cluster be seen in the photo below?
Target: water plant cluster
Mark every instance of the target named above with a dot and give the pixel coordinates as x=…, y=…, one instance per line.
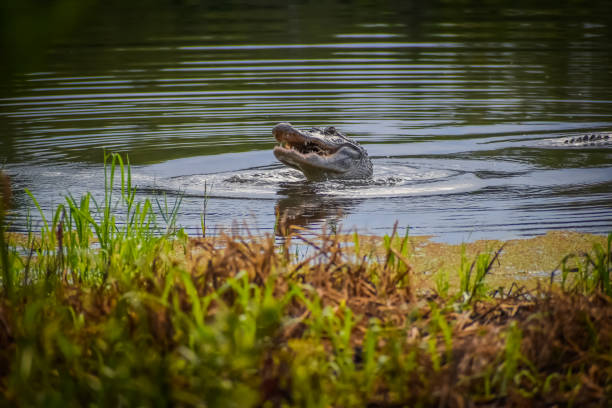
x=97, y=312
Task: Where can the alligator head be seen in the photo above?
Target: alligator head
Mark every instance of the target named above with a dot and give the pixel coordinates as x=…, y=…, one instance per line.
x=321, y=153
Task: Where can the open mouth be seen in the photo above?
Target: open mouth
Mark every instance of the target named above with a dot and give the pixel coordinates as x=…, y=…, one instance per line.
x=292, y=140
x=306, y=148
x=320, y=153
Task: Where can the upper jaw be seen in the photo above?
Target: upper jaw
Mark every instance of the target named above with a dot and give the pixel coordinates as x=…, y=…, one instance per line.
x=285, y=133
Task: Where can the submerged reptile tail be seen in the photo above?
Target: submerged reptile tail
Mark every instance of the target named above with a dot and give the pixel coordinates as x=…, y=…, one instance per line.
x=589, y=139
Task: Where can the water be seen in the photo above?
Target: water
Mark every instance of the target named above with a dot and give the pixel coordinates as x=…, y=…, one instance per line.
x=455, y=104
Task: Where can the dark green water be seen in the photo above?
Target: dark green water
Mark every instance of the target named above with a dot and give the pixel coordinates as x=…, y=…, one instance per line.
x=456, y=103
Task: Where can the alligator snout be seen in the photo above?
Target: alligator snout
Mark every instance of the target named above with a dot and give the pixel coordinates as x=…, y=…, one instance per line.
x=321, y=153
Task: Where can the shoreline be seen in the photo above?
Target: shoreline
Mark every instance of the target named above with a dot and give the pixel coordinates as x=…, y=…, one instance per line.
x=355, y=321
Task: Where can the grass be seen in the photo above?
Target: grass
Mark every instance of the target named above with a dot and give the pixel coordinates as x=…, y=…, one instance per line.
x=150, y=317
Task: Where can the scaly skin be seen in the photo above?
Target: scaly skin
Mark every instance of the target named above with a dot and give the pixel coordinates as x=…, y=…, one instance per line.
x=589, y=139
x=321, y=154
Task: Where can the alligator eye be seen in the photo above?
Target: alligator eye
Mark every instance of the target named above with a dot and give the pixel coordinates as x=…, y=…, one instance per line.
x=330, y=129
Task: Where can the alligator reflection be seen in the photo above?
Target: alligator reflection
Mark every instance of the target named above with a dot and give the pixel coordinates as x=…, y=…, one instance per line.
x=305, y=207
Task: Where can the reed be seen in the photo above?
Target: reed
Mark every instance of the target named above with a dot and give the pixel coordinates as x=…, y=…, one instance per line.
x=5, y=253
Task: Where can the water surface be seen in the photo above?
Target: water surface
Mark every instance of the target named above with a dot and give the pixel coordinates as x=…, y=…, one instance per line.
x=456, y=104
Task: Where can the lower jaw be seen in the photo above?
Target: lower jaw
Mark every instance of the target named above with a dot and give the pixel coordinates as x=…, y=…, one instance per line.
x=294, y=159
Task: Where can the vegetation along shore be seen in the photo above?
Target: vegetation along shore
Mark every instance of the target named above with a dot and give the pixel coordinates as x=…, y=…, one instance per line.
x=99, y=312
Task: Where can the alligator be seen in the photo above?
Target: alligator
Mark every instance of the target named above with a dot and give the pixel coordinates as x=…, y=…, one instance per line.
x=321, y=154
x=585, y=140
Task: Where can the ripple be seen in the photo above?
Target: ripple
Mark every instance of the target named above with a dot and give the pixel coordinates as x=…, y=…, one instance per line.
x=389, y=180
x=460, y=117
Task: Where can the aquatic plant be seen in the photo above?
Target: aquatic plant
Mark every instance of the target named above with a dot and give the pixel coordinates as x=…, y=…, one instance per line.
x=591, y=271
x=206, y=198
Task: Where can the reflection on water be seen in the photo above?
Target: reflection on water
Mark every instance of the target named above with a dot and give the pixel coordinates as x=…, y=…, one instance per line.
x=302, y=206
x=456, y=104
